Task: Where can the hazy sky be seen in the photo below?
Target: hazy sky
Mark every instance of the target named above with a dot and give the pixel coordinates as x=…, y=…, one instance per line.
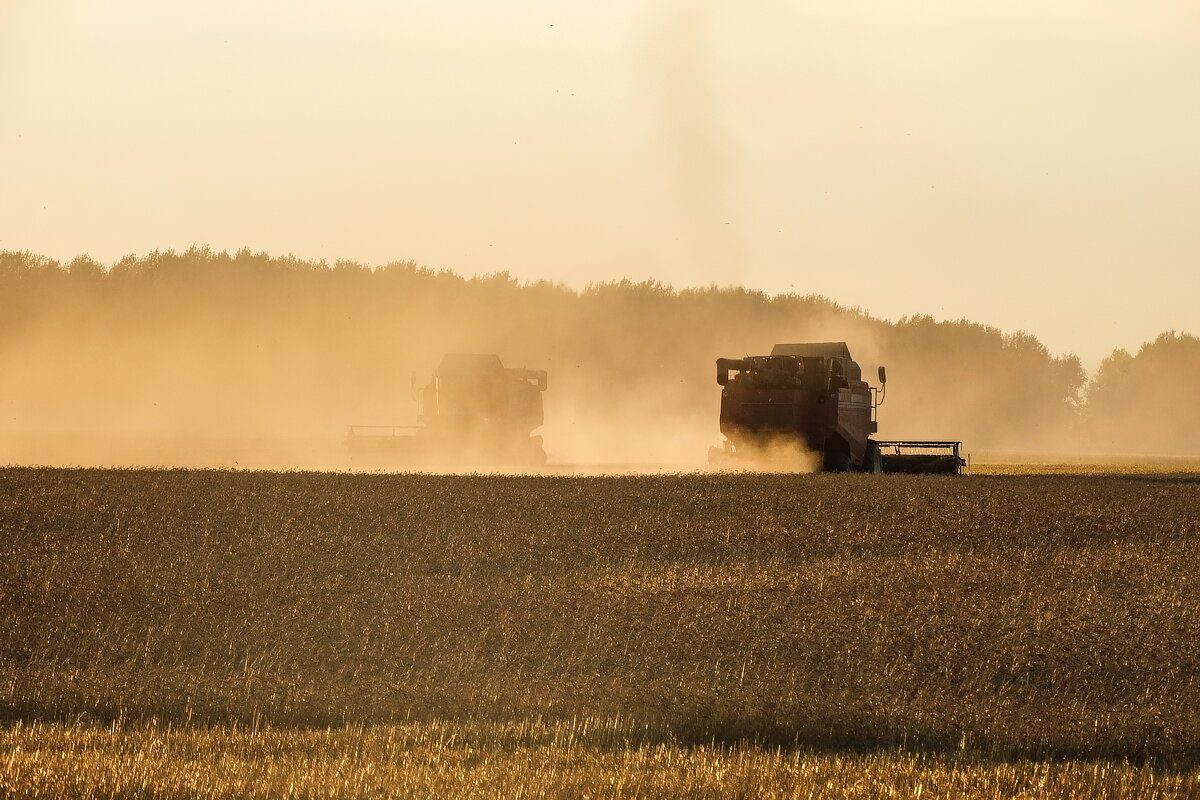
x=1032, y=165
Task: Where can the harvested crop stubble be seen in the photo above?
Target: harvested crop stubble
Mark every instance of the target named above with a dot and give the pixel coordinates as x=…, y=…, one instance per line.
x=585, y=758
x=1048, y=616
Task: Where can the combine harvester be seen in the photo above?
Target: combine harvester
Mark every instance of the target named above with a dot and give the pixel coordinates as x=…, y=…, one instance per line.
x=811, y=398
x=475, y=410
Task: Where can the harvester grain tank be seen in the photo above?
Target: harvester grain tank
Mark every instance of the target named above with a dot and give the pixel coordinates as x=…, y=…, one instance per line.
x=811, y=397
x=474, y=409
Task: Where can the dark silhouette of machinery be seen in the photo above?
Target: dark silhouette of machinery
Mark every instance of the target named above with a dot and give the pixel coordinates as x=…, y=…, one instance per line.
x=812, y=398
x=474, y=409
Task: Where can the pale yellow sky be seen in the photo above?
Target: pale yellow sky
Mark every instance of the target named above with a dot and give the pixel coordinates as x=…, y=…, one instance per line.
x=1031, y=165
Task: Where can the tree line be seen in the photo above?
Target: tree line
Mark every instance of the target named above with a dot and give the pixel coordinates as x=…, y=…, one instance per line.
x=249, y=344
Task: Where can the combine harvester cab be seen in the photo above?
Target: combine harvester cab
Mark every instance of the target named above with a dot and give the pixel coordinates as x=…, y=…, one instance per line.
x=474, y=410
x=811, y=398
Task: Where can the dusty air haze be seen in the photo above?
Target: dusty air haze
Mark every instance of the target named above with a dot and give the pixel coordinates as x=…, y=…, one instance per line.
x=1030, y=167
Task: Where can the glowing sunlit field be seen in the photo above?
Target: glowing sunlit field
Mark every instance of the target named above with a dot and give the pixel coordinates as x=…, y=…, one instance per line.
x=585, y=758
x=224, y=634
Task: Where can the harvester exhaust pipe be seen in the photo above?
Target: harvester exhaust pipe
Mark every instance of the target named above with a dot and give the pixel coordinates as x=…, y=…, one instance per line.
x=726, y=364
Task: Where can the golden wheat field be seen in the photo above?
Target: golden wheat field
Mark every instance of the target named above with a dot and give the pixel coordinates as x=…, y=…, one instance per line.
x=231, y=634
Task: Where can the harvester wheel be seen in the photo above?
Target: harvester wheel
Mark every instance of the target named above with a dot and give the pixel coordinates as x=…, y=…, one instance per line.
x=873, y=459
x=722, y=457
x=537, y=451
x=837, y=457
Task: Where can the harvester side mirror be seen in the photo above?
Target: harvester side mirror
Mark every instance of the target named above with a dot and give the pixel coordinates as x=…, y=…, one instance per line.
x=882, y=375
x=726, y=364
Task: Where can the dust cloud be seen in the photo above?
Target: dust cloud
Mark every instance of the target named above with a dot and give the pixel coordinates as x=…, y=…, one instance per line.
x=776, y=454
x=205, y=359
